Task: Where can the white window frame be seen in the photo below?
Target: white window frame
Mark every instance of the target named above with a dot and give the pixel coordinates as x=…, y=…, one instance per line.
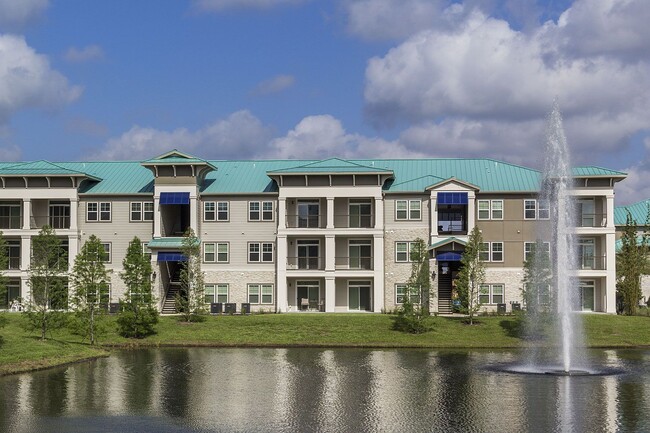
x=527, y=210
x=528, y=248
x=409, y=249
x=491, y=293
x=479, y=210
x=99, y=211
x=264, y=211
x=226, y=209
x=411, y=206
x=493, y=210
x=543, y=209
x=399, y=298
x=492, y=252
x=213, y=211
x=143, y=211
x=484, y=253
x=263, y=291
x=108, y=251
x=490, y=209
x=264, y=250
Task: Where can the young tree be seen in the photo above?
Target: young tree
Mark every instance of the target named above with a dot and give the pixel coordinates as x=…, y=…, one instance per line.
x=631, y=262
x=138, y=314
x=471, y=275
x=90, y=294
x=49, y=292
x=420, y=280
x=190, y=301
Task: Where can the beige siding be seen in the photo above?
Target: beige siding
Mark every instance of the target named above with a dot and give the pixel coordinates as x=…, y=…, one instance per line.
x=389, y=211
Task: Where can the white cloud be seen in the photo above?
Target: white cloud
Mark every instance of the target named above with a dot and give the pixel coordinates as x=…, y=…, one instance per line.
x=240, y=135
x=221, y=5
x=273, y=85
x=16, y=13
x=85, y=54
x=27, y=81
x=323, y=136
x=484, y=88
x=636, y=186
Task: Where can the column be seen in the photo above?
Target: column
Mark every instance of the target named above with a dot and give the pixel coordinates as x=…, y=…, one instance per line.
x=330, y=253
x=471, y=211
x=282, y=301
x=25, y=252
x=378, y=266
x=610, y=280
x=330, y=212
x=73, y=249
x=282, y=213
x=610, y=210
x=27, y=213
x=25, y=291
x=379, y=212
x=156, y=216
x=330, y=294
x=74, y=213
x=433, y=204
x=194, y=218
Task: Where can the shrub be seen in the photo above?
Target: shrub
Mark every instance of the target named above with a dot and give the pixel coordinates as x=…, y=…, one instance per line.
x=411, y=319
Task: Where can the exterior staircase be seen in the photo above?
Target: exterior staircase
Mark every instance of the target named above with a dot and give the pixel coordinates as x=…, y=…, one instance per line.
x=174, y=286
x=444, y=294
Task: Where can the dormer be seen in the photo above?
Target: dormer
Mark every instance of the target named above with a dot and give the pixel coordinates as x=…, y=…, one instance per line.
x=178, y=168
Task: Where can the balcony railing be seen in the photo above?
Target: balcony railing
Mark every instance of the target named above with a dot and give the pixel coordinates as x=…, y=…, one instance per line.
x=451, y=227
x=56, y=222
x=592, y=220
x=365, y=221
x=306, y=263
x=306, y=221
x=598, y=263
x=363, y=263
x=13, y=263
x=11, y=222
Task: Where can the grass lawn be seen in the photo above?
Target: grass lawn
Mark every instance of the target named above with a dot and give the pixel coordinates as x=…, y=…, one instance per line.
x=21, y=351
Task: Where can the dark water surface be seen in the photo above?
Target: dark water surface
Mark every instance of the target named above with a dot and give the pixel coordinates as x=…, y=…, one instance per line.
x=324, y=390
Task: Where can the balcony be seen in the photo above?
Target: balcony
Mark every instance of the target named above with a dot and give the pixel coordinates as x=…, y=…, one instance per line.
x=592, y=220
x=54, y=221
x=354, y=262
x=365, y=221
x=311, y=263
x=11, y=222
x=589, y=262
x=451, y=228
x=314, y=221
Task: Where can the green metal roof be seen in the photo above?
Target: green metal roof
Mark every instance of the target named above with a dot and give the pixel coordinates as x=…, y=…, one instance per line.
x=619, y=243
x=252, y=177
x=171, y=242
x=332, y=165
x=639, y=212
x=591, y=171
x=41, y=168
x=447, y=241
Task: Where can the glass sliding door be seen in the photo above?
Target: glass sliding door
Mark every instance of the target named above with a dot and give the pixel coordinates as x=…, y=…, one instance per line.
x=308, y=254
x=587, y=295
x=360, y=254
x=586, y=212
x=359, y=296
x=360, y=213
x=308, y=214
x=586, y=253
x=308, y=295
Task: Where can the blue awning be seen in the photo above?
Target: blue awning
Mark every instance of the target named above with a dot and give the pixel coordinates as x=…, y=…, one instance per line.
x=171, y=256
x=452, y=198
x=448, y=257
x=174, y=198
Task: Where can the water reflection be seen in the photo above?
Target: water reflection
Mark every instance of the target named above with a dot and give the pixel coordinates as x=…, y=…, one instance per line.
x=310, y=390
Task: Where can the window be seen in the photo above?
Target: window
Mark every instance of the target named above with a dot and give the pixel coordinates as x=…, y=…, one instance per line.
x=497, y=251
x=59, y=214
x=491, y=294
x=260, y=293
x=260, y=252
x=530, y=209
x=360, y=213
x=490, y=209
x=215, y=252
x=13, y=253
x=142, y=211
x=360, y=254
x=260, y=211
x=11, y=215
x=530, y=246
x=106, y=258
x=408, y=209
x=403, y=251
x=216, y=293
x=544, y=211
x=400, y=294
x=484, y=254
x=98, y=211
x=222, y=211
x=209, y=211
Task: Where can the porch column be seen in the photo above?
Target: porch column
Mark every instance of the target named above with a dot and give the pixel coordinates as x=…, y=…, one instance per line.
x=156, y=216
x=433, y=223
x=330, y=294
x=330, y=253
x=378, y=266
x=433, y=293
x=471, y=211
x=282, y=213
x=73, y=249
x=25, y=252
x=194, y=217
x=330, y=212
x=282, y=300
x=27, y=213
x=610, y=280
x=25, y=290
x=74, y=213
x=610, y=210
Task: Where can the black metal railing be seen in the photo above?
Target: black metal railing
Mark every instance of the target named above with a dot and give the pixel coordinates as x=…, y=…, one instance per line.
x=306, y=263
x=592, y=220
x=365, y=221
x=306, y=221
x=592, y=262
x=8, y=222
x=451, y=227
x=353, y=262
x=54, y=221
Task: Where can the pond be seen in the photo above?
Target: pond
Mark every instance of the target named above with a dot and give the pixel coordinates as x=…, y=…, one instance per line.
x=325, y=390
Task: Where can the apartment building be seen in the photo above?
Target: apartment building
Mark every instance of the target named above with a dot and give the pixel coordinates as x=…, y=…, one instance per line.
x=639, y=213
x=331, y=235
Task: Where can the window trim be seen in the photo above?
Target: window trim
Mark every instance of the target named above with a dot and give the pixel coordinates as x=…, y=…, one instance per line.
x=216, y=253
x=409, y=209
x=405, y=287
x=110, y=252
x=492, y=259
x=260, y=293
x=534, y=209
x=205, y=211
x=491, y=294
x=142, y=211
x=409, y=248
x=99, y=211
x=261, y=211
x=490, y=209
x=260, y=251
x=534, y=243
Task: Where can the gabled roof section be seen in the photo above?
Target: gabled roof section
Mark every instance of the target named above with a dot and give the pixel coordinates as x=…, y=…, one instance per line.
x=175, y=157
x=639, y=212
x=453, y=180
x=447, y=241
x=418, y=184
x=594, y=171
x=42, y=168
x=332, y=165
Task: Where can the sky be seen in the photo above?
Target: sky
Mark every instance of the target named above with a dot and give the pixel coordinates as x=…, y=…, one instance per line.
x=313, y=79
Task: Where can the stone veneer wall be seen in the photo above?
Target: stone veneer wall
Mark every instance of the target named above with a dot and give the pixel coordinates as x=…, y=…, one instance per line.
x=512, y=279
x=238, y=285
x=398, y=273
x=645, y=288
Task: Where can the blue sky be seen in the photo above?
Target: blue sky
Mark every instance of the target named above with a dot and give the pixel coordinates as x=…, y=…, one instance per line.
x=226, y=79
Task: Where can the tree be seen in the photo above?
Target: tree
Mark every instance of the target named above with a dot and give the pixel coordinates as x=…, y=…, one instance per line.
x=138, y=314
x=471, y=275
x=420, y=280
x=190, y=301
x=538, y=277
x=49, y=291
x=90, y=294
x=631, y=263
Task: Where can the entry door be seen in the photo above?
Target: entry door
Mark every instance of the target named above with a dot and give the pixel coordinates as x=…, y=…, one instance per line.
x=359, y=296
x=587, y=296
